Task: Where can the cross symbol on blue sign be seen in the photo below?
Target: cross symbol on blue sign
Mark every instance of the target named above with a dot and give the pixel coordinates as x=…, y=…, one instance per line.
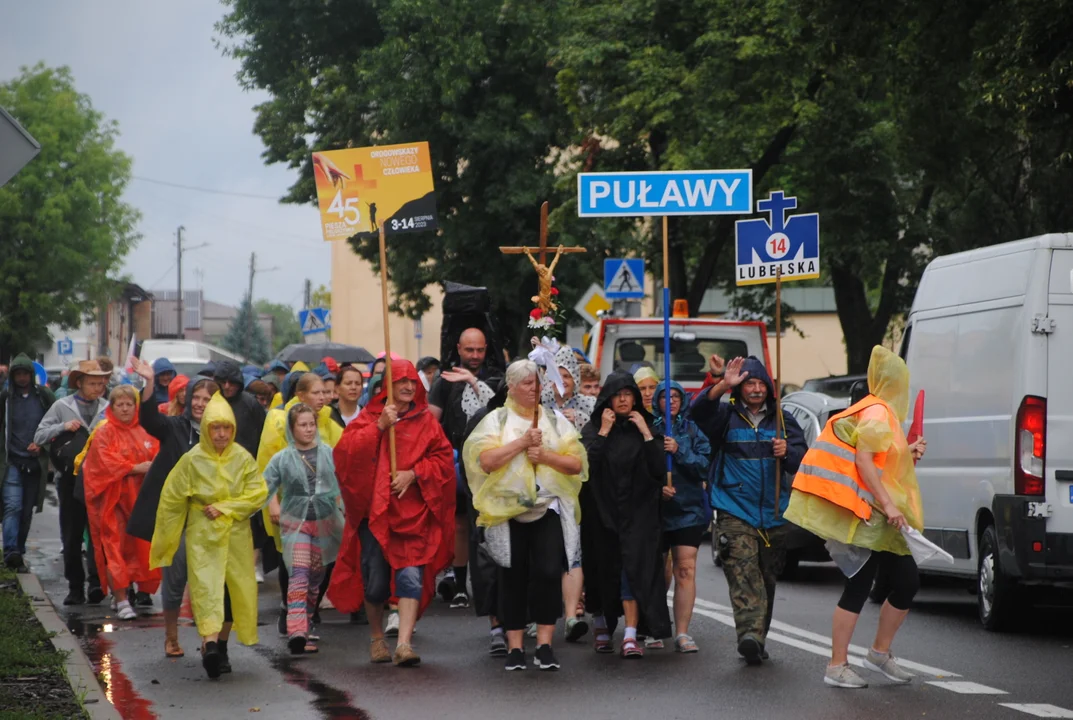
x=777, y=205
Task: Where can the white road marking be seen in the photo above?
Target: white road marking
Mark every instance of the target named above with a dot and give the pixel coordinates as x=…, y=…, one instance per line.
x=964, y=687
x=1040, y=710
x=819, y=645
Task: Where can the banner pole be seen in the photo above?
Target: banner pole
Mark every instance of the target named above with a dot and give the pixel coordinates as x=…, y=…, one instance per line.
x=388, y=378
x=667, y=346
x=780, y=431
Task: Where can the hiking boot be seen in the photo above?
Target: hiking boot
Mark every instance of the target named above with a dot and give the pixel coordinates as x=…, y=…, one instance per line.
x=545, y=658
x=576, y=628
x=751, y=649
x=497, y=646
x=515, y=660
x=885, y=663
x=843, y=676
x=405, y=656
x=378, y=651
x=75, y=597
x=210, y=660
x=225, y=661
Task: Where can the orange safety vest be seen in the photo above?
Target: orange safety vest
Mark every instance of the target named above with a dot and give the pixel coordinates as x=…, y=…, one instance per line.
x=829, y=468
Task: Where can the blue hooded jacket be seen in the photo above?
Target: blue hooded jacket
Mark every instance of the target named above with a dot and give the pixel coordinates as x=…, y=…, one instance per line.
x=160, y=392
x=689, y=506
x=741, y=481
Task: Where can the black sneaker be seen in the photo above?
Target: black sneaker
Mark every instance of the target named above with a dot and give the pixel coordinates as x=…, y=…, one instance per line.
x=446, y=587
x=225, y=661
x=210, y=660
x=297, y=645
x=545, y=658
x=359, y=617
x=143, y=599
x=281, y=622
x=95, y=595
x=460, y=600
x=751, y=649
x=75, y=597
x=13, y=561
x=515, y=660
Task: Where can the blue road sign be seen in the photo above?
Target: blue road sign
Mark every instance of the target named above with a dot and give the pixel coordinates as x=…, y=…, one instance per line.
x=686, y=192
x=791, y=244
x=624, y=279
x=40, y=373
x=65, y=346
x=315, y=320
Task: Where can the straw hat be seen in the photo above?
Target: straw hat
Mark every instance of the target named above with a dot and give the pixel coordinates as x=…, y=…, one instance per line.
x=86, y=367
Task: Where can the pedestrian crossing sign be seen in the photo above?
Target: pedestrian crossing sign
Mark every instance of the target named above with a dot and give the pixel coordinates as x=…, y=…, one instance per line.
x=315, y=320
x=624, y=278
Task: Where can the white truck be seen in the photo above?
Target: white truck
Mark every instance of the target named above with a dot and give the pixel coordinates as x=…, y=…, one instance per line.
x=990, y=340
x=625, y=343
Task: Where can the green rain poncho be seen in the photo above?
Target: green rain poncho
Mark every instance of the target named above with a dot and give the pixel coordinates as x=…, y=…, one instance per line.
x=872, y=430
x=218, y=551
x=286, y=472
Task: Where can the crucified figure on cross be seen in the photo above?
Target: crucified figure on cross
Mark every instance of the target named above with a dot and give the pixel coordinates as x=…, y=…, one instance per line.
x=544, y=272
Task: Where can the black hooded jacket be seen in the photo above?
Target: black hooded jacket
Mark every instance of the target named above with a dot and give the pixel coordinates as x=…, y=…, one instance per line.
x=626, y=476
x=249, y=415
x=176, y=436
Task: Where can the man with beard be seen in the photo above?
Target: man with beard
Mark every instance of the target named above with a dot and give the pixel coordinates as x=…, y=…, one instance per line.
x=397, y=527
x=23, y=466
x=454, y=398
x=749, y=529
x=621, y=527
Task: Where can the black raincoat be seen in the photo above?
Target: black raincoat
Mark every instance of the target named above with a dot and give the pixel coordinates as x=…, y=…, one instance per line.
x=176, y=436
x=620, y=515
x=249, y=415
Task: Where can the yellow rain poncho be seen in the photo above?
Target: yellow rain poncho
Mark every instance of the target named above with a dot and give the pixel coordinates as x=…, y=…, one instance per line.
x=512, y=490
x=872, y=430
x=274, y=439
x=219, y=550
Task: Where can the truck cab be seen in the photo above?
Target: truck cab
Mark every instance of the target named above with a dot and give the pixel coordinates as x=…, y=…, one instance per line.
x=626, y=343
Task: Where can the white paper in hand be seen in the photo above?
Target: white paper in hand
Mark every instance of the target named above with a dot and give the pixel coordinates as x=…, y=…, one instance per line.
x=924, y=549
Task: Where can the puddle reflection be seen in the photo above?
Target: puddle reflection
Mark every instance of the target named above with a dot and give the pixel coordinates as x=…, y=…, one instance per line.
x=117, y=685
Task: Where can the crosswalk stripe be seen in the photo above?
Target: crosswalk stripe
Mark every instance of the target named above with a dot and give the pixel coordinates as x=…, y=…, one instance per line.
x=964, y=687
x=822, y=640
x=1040, y=710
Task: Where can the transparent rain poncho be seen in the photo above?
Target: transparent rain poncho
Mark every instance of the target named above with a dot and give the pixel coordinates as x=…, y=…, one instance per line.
x=874, y=430
x=218, y=551
x=286, y=474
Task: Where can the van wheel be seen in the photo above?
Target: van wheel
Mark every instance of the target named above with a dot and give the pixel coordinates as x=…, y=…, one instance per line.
x=998, y=594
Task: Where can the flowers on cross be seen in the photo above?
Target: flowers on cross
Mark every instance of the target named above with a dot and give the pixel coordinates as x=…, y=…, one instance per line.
x=539, y=321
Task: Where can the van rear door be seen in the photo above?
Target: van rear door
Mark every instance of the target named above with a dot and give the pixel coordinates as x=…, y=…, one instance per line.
x=1059, y=438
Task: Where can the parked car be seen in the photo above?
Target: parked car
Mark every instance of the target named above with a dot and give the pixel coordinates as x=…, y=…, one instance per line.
x=836, y=385
x=989, y=339
x=812, y=410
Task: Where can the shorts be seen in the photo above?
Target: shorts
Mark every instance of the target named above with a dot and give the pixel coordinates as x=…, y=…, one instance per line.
x=683, y=537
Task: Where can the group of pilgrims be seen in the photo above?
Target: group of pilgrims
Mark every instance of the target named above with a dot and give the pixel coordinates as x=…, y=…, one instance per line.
x=543, y=484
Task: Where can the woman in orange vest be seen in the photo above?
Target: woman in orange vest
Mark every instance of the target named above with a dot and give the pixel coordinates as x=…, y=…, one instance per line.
x=856, y=488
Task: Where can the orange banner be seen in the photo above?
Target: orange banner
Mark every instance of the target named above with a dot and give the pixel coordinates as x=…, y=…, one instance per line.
x=360, y=189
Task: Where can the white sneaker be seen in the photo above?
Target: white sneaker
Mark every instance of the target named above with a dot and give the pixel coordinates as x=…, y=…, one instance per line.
x=843, y=676
x=126, y=612
x=887, y=666
x=259, y=575
x=392, y=629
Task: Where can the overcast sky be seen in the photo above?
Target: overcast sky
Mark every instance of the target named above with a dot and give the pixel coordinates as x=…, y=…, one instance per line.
x=153, y=67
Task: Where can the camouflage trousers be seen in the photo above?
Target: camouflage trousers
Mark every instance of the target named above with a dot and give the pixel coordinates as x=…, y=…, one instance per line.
x=751, y=566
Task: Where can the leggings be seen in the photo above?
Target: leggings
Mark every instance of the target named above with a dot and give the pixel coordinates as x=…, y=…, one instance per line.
x=532, y=587
x=897, y=575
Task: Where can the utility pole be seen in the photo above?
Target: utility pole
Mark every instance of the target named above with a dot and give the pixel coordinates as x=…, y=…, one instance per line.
x=309, y=294
x=179, y=270
x=249, y=295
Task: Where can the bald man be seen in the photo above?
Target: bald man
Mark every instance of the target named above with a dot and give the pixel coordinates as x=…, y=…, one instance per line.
x=445, y=402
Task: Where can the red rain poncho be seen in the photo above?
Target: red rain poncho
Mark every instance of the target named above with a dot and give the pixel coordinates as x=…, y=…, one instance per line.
x=175, y=387
x=111, y=491
x=415, y=530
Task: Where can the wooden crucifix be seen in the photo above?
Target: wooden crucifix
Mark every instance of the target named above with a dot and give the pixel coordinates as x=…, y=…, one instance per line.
x=544, y=272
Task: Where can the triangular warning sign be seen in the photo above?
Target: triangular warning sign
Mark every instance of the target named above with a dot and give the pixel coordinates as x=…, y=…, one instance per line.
x=312, y=323
x=624, y=280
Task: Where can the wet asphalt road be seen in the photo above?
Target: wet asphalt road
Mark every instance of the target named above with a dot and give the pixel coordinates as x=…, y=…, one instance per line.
x=980, y=674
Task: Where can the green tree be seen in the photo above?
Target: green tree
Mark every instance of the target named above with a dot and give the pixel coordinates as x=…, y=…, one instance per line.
x=63, y=225
x=245, y=335
x=284, y=321
x=472, y=77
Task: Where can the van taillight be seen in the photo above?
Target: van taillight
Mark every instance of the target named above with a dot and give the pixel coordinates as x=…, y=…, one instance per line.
x=1030, y=446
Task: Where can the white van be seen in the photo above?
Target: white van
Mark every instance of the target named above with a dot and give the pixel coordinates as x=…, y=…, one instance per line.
x=188, y=356
x=990, y=341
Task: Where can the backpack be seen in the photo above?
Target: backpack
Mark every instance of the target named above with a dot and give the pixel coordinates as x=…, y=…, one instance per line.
x=65, y=447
